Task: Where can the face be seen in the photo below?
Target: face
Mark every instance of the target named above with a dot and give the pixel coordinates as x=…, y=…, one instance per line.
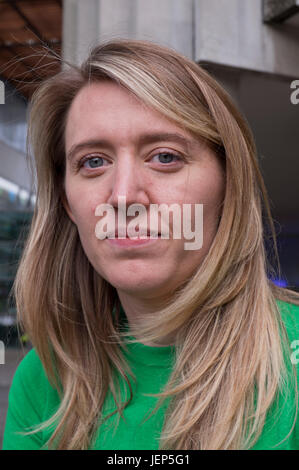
x=134, y=151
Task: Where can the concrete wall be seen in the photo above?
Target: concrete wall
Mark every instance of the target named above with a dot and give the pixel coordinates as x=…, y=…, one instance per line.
x=219, y=31
x=169, y=22
x=233, y=33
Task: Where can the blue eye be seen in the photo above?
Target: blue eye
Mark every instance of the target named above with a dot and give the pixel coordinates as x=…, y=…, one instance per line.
x=94, y=162
x=166, y=157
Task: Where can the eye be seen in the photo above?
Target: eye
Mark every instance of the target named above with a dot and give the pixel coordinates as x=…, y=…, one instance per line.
x=94, y=161
x=167, y=157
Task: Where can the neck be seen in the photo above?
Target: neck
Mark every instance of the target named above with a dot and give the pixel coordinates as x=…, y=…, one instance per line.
x=137, y=310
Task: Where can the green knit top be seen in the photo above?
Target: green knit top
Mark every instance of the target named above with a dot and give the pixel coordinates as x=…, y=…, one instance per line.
x=32, y=400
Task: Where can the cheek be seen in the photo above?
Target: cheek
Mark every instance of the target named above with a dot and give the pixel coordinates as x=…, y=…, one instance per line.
x=82, y=204
x=208, y=189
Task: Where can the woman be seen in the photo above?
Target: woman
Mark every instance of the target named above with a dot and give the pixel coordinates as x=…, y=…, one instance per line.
x=144, y=344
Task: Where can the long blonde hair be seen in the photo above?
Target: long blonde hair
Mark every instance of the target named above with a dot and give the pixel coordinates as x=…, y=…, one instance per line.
x=229, y=336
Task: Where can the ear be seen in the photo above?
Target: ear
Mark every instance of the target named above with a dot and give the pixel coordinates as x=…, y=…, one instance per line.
x=67, y=207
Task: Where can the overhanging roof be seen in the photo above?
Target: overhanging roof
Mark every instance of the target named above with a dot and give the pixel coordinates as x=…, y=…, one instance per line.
x=29, y=31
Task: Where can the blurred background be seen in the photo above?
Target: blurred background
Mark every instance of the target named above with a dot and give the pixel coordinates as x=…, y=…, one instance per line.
x=250, y=46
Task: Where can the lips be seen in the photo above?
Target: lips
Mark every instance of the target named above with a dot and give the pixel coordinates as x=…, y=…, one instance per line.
x=110, y=235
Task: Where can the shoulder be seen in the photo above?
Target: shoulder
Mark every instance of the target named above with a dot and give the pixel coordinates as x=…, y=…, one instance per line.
x=30, y=383
x=30, y=361
x=290, y=316
x=31, y=401
x=29, y=369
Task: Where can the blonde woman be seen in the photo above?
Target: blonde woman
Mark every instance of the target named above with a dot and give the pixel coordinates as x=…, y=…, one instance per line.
x=142, y=343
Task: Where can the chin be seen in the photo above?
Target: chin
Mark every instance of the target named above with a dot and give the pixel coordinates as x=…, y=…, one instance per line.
x=137, y=285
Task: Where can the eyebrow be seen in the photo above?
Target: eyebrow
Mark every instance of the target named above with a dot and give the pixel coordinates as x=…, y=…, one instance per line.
x=142, y=140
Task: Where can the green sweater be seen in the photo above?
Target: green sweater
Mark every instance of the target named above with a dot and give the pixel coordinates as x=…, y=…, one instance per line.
x=32, y=400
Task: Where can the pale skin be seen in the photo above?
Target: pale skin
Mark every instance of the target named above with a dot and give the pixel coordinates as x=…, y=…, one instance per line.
x=144, y=276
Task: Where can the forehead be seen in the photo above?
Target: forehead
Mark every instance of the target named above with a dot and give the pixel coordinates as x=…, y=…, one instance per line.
x=104, y=92
x=106, y=107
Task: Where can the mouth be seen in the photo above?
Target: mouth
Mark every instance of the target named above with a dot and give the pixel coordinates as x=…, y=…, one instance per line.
x=132, y=243
x=148, y=235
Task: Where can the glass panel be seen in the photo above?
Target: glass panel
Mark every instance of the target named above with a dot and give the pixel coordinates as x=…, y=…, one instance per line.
x=14, y=227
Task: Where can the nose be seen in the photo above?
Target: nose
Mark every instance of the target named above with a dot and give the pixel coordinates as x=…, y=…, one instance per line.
x=129, y=181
